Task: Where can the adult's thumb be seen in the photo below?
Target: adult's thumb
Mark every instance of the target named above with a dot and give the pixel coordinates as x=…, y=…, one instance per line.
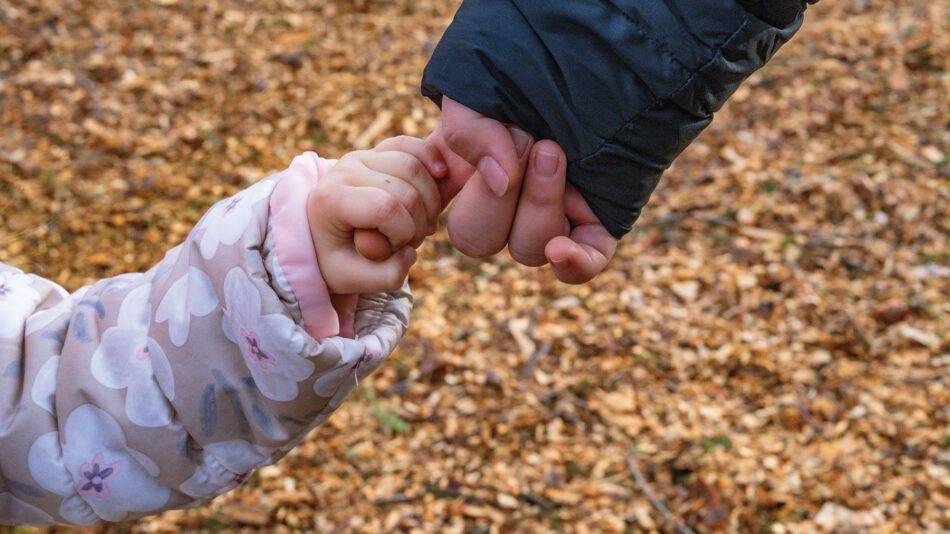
x=487, y=144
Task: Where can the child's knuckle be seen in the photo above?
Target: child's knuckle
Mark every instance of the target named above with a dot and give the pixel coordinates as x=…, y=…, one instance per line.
x=343, y=170
x=394, y=279
x=412, y=166
x=412, y=199
x=322, y=196
x=473, y=245
x=388, y=207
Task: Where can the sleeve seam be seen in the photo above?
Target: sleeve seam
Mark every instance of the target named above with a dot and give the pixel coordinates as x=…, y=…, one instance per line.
x=660, y=101
x=658, y=44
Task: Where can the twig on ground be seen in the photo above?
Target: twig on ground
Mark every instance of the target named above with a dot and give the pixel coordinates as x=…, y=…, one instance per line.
x=399, y=498
x=528, y=368
x=810, y=419
x=90, y=88
x=654, y=500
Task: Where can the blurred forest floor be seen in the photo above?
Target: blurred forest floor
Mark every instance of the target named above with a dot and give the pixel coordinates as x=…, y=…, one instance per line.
x=770, y=348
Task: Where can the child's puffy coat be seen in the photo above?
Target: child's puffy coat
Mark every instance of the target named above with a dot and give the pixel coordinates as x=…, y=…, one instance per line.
x=160, y=390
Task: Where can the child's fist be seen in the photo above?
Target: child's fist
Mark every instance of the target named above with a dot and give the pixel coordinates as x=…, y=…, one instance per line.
x=389, y=190
x=372, y=245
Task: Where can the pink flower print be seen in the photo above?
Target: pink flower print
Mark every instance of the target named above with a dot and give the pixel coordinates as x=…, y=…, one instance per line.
x=373, y=349
x=372, y=356
x=95, y=476
x=366, y=362
x=270, y=344
x=117, y=482
x=254, y=349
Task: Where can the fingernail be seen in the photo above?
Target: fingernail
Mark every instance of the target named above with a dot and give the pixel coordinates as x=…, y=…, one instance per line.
x=493, y=175
x=546, y=163
x=438, y=167
x=560, y=262
x=521, y=138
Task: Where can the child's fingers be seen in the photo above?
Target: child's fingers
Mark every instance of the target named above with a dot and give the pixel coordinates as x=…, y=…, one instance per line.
x=459, y=170
x=405, y=192
x=369, y=208
x=356, y=274
x=411, y=170
x=426, y=152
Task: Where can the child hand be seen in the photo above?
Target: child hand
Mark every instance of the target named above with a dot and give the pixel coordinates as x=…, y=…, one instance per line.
x=390, y=189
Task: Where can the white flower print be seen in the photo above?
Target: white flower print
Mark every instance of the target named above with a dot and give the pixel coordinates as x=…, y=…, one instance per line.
x=226, y=222
x=279, y=277
x=192, y=294
x=95, y=470
x=17, y=512
x=349, y=353
x=373, y=356
x=225, y=465
x=271, y=344
x=358, y=358
x=172, y=256
x=44, y=385
x=18, y=300
x=128, y=358
x=42, y=318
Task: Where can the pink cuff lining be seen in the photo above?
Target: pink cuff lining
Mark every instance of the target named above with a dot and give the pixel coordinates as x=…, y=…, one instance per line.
x=323, y=315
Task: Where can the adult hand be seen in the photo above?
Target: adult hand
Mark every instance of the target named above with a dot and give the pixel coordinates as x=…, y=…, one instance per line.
x=544, y=220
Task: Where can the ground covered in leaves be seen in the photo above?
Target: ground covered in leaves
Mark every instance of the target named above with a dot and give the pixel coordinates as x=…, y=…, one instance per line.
x=768, y=352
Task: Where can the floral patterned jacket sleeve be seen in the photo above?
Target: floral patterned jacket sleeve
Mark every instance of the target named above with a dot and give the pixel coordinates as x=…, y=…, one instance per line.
x=161, y=390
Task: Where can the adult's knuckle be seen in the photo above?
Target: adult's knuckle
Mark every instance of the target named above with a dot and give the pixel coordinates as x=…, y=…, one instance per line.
x=455, y=136
x=539, y=194
x=526, y=255
x=322, y=196
x=472, y=245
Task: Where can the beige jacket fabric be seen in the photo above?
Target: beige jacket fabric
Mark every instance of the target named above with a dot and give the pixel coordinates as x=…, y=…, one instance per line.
x=146, y=392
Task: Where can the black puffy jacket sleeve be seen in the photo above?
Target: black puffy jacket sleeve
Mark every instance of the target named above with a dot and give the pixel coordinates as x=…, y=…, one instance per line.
x=623, y=85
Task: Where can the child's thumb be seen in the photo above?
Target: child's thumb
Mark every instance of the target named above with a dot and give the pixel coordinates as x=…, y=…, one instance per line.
x=372, y=245
x=364, y=276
